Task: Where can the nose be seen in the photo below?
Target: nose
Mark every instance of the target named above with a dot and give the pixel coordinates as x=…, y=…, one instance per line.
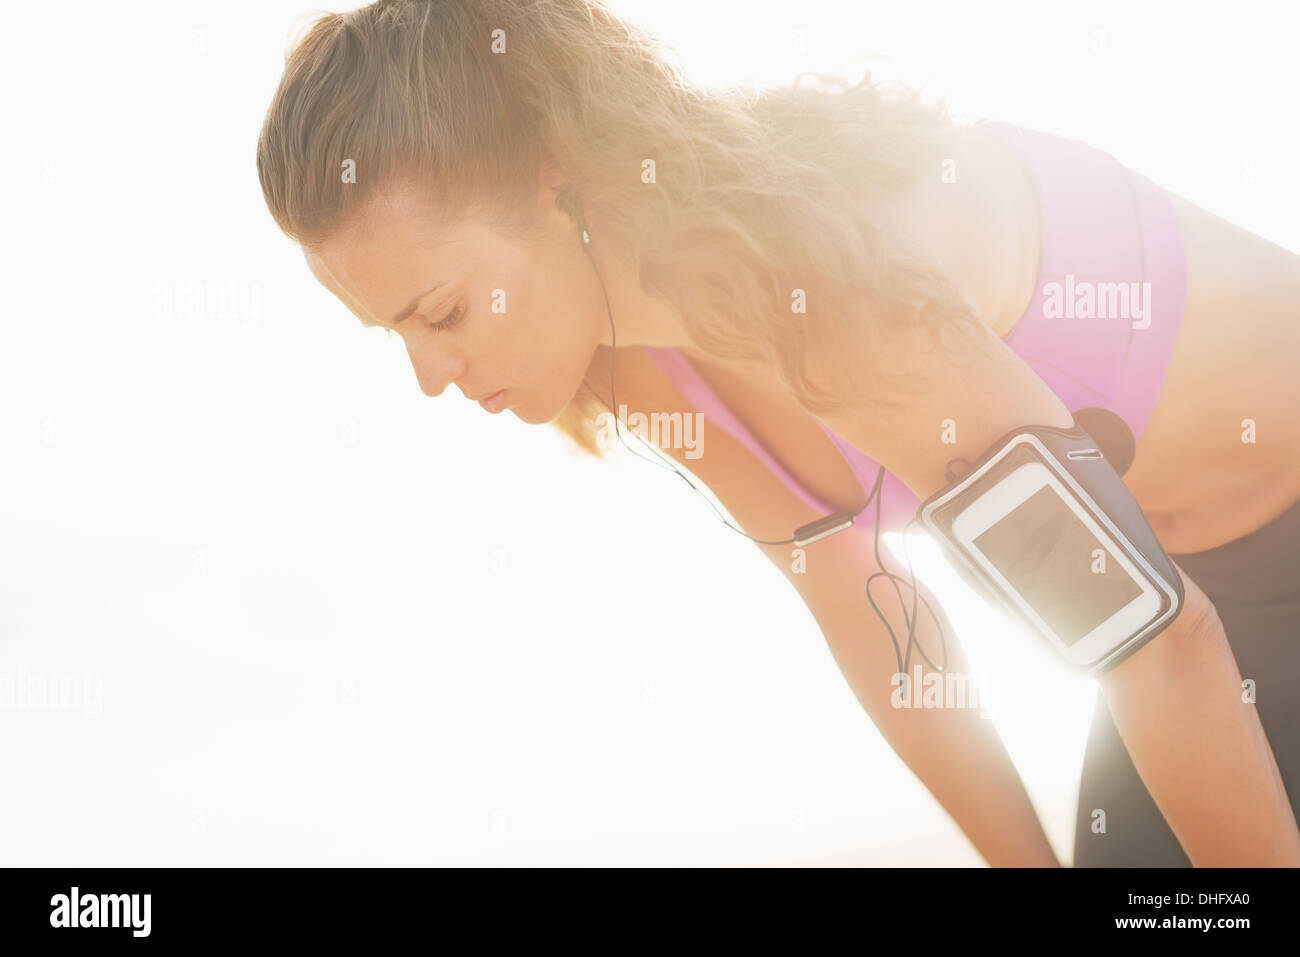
x=435, y=369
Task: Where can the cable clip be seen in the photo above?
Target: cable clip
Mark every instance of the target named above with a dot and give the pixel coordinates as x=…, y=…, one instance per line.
x=822, y=528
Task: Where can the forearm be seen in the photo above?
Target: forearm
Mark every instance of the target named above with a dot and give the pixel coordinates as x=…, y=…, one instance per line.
x=959, y=757
x=954, y=751
x=1199, y=748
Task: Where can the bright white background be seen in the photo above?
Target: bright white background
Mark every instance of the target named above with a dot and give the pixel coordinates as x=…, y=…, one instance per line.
x=337, y=622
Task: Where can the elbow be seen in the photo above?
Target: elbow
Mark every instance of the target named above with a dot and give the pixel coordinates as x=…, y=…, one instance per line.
x=1191, y=646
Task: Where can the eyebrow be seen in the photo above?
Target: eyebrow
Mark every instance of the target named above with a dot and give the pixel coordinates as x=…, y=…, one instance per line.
x=409, y=308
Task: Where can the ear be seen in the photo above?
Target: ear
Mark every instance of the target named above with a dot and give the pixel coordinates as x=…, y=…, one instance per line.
x=552, y=177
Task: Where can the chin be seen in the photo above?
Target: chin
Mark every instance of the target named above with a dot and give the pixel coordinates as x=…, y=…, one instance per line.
x=526, y=411
x=541, y=410
x=523, y=416
x=545, y=398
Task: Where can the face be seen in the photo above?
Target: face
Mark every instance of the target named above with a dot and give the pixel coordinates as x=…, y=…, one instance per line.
x=487, y=311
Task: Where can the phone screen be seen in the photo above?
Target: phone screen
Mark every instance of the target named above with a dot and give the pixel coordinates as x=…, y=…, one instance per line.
x=1059, y=567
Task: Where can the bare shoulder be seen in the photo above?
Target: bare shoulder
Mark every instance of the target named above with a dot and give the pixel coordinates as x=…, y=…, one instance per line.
x=973, y=218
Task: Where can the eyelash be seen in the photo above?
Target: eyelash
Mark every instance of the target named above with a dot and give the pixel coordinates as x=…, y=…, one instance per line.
x=449, y=320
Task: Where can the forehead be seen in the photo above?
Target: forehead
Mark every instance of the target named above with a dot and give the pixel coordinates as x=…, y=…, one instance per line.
x=372, y=261
x=392, y=224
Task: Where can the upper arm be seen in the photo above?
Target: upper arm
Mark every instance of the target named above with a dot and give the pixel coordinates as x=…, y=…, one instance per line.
x=964, y=404
x=958, y=403
x=829, y=573
x=831, y=576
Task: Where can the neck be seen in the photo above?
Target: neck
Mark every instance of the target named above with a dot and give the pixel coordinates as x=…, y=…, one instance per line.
x=644, y=319
x=640, y=318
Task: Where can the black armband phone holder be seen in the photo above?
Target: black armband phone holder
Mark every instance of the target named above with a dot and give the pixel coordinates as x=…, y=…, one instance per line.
x=1043, y=525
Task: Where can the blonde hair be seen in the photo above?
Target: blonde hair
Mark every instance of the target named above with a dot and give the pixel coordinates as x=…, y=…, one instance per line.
x=757, y=193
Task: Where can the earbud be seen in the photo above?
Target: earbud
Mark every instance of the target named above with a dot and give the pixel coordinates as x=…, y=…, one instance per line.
x=573, y=210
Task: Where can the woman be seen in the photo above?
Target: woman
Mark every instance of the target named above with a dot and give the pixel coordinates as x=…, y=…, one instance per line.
x=832, y=277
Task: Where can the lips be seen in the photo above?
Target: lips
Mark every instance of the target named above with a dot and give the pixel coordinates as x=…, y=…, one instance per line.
x=495, y=402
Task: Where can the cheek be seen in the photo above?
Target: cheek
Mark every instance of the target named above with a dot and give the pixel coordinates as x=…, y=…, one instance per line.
x=549, y=334
x=545, y=339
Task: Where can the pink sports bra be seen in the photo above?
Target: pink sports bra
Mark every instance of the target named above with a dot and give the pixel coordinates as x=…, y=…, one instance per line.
x=1100, y=329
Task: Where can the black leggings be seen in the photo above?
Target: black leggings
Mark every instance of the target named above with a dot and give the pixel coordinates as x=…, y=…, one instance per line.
x=1254, y=582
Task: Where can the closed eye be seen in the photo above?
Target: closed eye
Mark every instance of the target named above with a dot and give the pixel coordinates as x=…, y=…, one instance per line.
x=448, y=321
